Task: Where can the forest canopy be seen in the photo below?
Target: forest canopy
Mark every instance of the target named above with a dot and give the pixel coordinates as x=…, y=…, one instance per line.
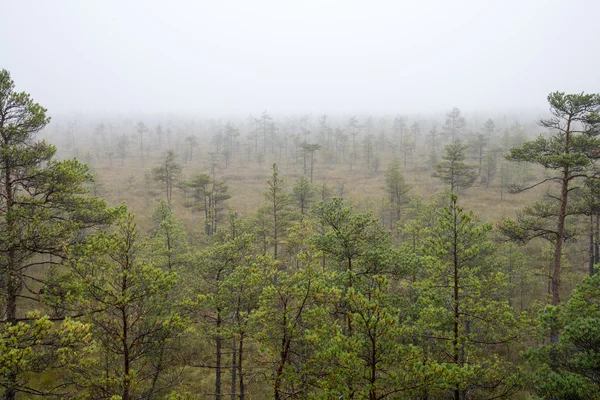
x=353, y=267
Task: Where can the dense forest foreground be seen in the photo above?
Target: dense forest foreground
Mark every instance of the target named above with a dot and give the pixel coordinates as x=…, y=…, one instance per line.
x=300, y=257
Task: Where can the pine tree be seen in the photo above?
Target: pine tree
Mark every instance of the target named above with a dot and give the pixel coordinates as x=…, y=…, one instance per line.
x=571, y=151
x=397, y=189
x=454, y=124
x=168, y=247
x=127, y=301
x=453, y=170
x=303, y=194
x=276, y=209
x=168, y=174
x=463, y=308
x=44, y=209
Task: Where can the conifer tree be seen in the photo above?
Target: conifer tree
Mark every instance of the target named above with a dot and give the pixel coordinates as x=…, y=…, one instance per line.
x=453, y=170
x=302, y=194
x=276, y=209
x=44, y=209
x=168, y=247
x=571, y=151
x=397, y=189
x=168, y=174
x=463, y=307
x=127, y=301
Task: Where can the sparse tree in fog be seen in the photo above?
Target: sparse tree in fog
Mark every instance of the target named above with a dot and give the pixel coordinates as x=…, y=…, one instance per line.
x=309, y=156
x=159, y=135
x=276, y=209
x=303, y=193
x=260, y=159
x=415, y=130
x=399, y=131
x=325, y=132
x=191, y=143
x=479, y=144
x=371, y=160
x=397, y=189
x=453, y=170
x=341, y=142
x=167, y=174
x=488, y=129
x=231, y=133
x=486, y=155
x=253, y=133
x=454, y=124
x=490, y=166
x=408, y=145
x=141, y=129
x=199, y=186
x=207, y=195
x=267, y=130
x=354, y=130
x=433, y=145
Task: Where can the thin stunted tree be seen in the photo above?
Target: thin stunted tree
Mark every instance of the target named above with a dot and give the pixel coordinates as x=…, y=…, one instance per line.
x=308, y=151
x=276, y=210
x=397, y=189
x=141, y=129
x=453, y=170
x=454, y=124
x=302, y=194
x=167, y=174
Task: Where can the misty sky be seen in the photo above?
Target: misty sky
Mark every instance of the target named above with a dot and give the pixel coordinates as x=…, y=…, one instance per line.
x=216, y=56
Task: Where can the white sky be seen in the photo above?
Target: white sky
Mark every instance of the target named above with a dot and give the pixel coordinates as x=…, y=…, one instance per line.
x=219, y=56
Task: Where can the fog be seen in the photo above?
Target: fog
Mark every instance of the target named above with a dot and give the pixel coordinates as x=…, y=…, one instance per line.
x=223, y=57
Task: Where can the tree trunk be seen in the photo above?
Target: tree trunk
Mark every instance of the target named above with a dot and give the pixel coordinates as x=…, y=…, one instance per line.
x=456, y=317
x=218, y=362
x=233, y=369
x=591, y=255
x=126, y=361
x=12, y=285
x=560, y=231
x=240, y=366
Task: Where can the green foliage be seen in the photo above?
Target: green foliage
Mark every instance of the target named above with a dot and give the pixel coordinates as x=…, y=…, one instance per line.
x=167, y=174
x=291, y=304
x=32, y=345
x=455, y=122
x=571, y=368
x=397, y=189
x=453, y=170
x=348, y=235
x=45, y=208
x=276, y=211
x=303, y=194
x=207, y=195
x=167, y=247
x=373, y=362
x=572, y=151
x=133, y=323
x=463, y=317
